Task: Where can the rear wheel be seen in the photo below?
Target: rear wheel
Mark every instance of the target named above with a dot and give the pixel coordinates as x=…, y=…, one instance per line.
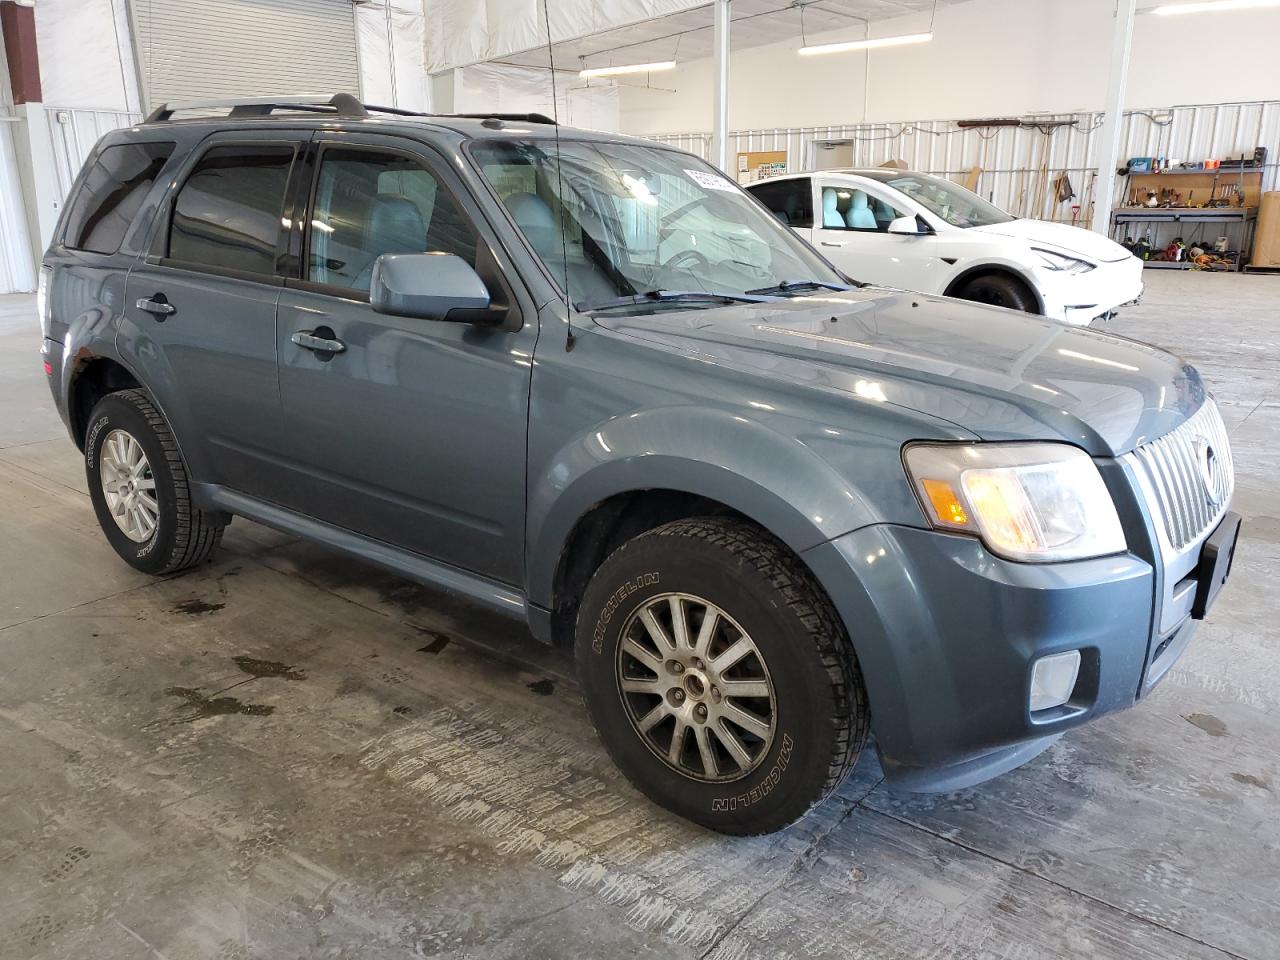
x=719, y=677
x=1000, y=290
x=138, y=485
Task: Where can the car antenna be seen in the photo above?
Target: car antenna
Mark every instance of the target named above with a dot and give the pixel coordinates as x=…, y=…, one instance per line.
x=564, y=243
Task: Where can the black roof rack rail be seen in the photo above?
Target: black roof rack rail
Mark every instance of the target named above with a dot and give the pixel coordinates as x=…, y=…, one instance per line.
x=339, y=104
x=512, y=117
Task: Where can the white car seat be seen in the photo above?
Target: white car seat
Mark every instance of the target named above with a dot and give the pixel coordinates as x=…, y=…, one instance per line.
x=860, y=216
x=830, y=214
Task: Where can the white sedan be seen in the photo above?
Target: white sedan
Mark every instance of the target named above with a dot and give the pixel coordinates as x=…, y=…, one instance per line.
x=918, y=232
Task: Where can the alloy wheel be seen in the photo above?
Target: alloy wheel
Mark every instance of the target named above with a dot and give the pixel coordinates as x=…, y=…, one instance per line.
x=696, y=688
x=128, y=486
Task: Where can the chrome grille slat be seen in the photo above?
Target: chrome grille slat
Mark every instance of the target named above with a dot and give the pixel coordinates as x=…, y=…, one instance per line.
x=1174, y=474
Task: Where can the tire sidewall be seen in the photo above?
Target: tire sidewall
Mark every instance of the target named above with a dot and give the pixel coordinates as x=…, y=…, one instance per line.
x=792, y=775
x=116, y=413
x=1017, y=297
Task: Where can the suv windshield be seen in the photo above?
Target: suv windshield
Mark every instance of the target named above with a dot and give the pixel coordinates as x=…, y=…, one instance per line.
x=613, y=221
x=950, y=201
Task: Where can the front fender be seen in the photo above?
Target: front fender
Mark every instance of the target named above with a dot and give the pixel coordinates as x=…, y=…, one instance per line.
x=778, y=481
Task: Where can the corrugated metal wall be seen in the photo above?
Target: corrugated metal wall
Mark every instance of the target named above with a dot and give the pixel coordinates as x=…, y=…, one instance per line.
x=74, y=133
x=197, y=49
x=1019, y=164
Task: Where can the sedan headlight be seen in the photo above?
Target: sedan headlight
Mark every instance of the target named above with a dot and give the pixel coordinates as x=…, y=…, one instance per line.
x=1062, y=263
x=1027, y=501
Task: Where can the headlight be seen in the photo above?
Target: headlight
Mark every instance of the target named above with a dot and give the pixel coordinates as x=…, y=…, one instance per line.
x=1027, y=501
x=1063, y=263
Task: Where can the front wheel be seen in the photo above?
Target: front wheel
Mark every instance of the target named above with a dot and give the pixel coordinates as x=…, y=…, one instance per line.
x=999, y=290
x=138, y=485
x=719, y=677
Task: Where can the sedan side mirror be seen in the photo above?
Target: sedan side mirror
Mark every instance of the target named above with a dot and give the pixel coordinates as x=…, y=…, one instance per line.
x=909, y=227
x=429, y=286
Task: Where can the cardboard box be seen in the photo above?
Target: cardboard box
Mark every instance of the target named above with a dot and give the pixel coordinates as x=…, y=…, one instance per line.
x=1266, y=239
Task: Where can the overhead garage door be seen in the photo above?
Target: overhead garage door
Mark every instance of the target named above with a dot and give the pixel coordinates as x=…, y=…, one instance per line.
x=198, y=49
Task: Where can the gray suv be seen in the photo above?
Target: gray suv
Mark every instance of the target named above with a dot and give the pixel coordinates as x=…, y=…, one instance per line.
x=588, y=382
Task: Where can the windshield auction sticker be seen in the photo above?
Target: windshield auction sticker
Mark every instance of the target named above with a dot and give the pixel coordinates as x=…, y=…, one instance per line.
x=710, y=180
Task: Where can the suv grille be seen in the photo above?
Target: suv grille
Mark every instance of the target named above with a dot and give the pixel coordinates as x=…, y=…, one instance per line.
x=1191, y=474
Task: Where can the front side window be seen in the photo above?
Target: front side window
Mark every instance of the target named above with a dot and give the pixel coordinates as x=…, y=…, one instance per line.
x=369, y=203
x=791, y=201
x=228, y=213
x=849, y=208
x=950, y=201
x=613, y=220
x=114, y=188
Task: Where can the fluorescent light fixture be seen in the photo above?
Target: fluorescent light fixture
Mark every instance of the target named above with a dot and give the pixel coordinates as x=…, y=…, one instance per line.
x=627, y=68
x=1175, y=8
x=867, y=44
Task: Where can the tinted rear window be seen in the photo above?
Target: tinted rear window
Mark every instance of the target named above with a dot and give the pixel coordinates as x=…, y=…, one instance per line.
x=227, y=214
x=113, y=190
x=790, y=200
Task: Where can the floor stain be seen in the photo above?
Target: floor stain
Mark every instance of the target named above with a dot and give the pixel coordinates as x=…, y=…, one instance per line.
x=1251, y=780
x=268, y=668
x=438, y=642
x=403, y=711
x=195, y=607
x=216, y=706
x=543, y=687
x=348, y=686
x=1208, y=723
x=67, y=866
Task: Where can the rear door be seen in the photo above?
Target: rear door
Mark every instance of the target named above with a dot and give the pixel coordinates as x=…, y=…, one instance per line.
x=414, y=432
x=200, y=309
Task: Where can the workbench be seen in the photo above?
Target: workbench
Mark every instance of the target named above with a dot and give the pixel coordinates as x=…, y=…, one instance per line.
x=1196, y=223
x=1207, y=222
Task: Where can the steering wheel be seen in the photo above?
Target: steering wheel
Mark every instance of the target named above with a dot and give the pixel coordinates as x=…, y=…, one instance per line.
x=694, y=258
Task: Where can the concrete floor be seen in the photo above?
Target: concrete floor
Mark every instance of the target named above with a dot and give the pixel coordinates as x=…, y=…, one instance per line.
x=287, y=754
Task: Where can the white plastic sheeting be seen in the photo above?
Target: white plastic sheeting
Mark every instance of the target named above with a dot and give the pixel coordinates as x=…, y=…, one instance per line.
x=17, y=274
x=391, y=37
x=470, y=31
x=506, y=89
x=86, y=58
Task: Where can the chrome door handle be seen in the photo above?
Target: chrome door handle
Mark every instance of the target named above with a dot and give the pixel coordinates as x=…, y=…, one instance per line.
x=309, y=341
x=158, y=306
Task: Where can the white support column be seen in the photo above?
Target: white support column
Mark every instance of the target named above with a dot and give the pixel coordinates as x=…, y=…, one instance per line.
x=1109, y=140
x=720, y=121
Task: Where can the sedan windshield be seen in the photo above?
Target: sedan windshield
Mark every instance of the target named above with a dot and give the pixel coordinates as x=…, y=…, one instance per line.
x=640, y=228
x=950, y=201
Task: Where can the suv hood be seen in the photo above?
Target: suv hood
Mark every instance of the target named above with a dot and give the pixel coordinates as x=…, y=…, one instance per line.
x=999, y=374
x=1060, y=236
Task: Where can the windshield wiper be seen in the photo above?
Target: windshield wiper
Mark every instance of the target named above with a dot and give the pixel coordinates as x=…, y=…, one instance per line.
x=673, y=296
x=787, y=286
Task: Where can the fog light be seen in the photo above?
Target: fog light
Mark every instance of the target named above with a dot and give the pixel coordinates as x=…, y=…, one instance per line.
x=1052, y=680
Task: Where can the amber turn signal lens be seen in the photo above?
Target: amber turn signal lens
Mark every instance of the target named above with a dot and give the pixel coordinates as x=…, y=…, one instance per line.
x=945, y=502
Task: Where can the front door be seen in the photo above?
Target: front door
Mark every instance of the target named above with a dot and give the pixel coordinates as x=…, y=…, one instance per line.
x=200, y=310
x=851, y=225
x=414, y=432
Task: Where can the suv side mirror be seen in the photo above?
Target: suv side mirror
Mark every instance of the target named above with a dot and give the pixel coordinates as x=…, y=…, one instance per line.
x=429, y=286
x=909, y=227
